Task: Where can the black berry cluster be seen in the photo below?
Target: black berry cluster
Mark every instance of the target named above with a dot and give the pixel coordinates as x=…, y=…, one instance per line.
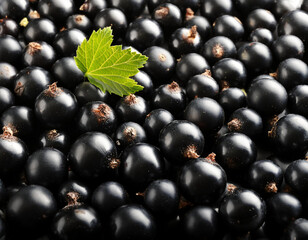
x=213, y=148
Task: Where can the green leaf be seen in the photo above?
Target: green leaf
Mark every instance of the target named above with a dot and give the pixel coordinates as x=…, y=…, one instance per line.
x=109, y=67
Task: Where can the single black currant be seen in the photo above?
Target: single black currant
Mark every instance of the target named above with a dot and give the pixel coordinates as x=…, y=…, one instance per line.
x=107, y=197
x=155, y=121
x=55, y=107
x=47, y=167
x=7, y=99
x=66, y=73
x=181, y=140
x=86, y=92
x=217, y=48
x=190, y=65
x=202, y=180
x=262, y=35
x=288, y=46
x=9, y=27
x=162, y=198
x=93, y=156
x=29, y=83
x=229, y=72
x=206, y=113
x=132, y=222
x=132, y=108
x=231, y=99
x=248, y=211
x=298, y=100
x=265, y=177
x=229, y=26
x=129, y=133
x=54, y=138
x=140, y=165
x=202, y=85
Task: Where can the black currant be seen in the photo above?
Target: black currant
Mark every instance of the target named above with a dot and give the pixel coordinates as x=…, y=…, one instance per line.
x=55, y=139
x=228, y=26
x=190, y=65
x=132, y=222
x=47, y=167
x=288, y=46
x=86, y=92
x=181, y=140
x=298, y=100
x=107, y=197
x=7, y=99
x=202, y=181
x=140, y=165
x=55, y=107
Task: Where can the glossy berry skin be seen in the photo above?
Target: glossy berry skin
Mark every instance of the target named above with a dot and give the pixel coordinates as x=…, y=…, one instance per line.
x=292, y=72
x=9, y=27
x=107, y=197
x=170, y=97
x=184, y=41
x=206, y=113
x=296, y=177
x=235, y=151
x=143, y=79
x=217, y=48
x=288, y=46
x=202, y=181
x=66, y=73
x=282, y=209
x=267, y=97
x=265, y=177
x=162, y=198
x=228, y=26
x=290, y=135
x=129, y=133
x=7, y=72
x=181, y=140
x=40, y=29
x=46, y=167
x=141, y=164
x=76, y=222
x=204, y=28
x=57, y=11
x=200, y=221
x=39, y=54
x=29, y=83
x=256, y=57
x=96, y=116
x=7, y=99
x=200, y=86
x=132, y=222
x=248, y=213
x=298, y=100
x=14, y=154
x=262, y=35
x=55, y=139
x=169, y=16
x=81, y=22
x=55, y=107
x=143, y=33
x=31, y=209
x=16, y=9
x=260, y=18
x=96, y=146
x=132, y=108
x=10, y=50
x=155, y=121
x=86, y=92
x=112, y=17
x=131, y=8
x=190, y=65
x=213, y=9
x=231, y=99
x=293, y=23
x=298, y=230
x=82, y=190
x=93, y=7
x=246, y=6
x=20, y=119
x=160, y=64
x=67, y=42
x=229, y=72
x=247, y=121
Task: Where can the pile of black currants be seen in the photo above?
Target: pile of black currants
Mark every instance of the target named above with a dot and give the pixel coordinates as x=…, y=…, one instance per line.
x=214, y=147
